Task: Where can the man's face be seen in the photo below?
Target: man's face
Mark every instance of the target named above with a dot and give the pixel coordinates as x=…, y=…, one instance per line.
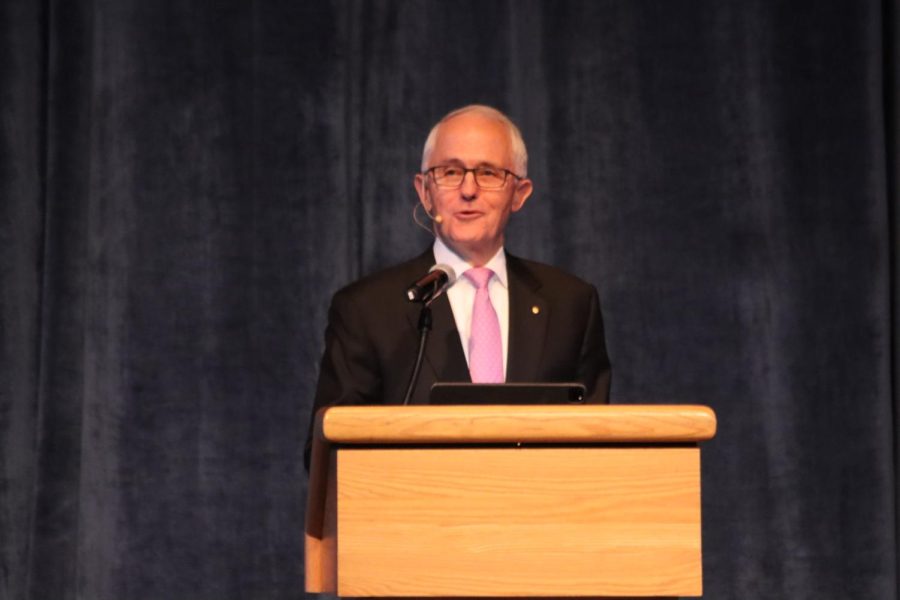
x=472, y=220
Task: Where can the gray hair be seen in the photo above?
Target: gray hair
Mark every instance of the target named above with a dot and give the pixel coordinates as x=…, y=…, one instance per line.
x=519, y=152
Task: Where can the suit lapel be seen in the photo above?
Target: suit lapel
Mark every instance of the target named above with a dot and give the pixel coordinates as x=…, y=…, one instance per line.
x=445, y=352
x=529, y=315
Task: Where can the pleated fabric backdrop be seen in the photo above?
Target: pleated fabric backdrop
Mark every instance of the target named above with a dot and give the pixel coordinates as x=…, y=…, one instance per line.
x=183, y=184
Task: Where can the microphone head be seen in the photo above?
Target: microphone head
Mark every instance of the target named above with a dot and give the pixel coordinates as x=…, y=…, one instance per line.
x=451, y=274
x=432, y=285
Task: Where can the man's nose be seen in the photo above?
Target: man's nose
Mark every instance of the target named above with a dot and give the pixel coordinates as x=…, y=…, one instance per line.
x=469, y=188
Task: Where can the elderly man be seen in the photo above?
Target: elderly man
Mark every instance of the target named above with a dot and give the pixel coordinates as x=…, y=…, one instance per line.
x=505, y=318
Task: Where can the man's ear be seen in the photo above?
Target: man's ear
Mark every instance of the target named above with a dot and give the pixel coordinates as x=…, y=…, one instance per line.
x=523, y=190
x=422, y=190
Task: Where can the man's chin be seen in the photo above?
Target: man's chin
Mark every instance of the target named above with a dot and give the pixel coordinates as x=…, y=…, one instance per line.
x=469, y=246
x=469, y=235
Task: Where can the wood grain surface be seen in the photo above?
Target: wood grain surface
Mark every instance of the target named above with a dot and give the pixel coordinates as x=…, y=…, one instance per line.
x=498, y=424
x=519, y=522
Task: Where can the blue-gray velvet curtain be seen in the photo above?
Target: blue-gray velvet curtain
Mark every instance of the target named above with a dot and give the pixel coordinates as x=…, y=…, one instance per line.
x=183, y=184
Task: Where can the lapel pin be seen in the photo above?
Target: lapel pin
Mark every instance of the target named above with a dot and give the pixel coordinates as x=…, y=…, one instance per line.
x=535, y=309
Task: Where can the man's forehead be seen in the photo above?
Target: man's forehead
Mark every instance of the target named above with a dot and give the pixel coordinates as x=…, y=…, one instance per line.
x=472, y=139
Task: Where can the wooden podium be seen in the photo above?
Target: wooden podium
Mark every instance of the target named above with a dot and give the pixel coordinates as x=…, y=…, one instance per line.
x=506, y=501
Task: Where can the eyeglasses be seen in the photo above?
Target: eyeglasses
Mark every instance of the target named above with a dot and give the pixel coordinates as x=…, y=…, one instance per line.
x=487, y=178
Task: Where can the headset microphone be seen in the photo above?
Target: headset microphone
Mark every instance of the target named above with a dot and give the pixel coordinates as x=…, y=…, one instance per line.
x=436, y=218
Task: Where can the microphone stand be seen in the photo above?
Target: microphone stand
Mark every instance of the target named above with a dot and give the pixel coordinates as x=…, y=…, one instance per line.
x=424, y=329
x=426, y=290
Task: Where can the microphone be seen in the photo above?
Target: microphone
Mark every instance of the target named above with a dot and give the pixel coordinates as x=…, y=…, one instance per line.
x=425, y=290
x=428, y=288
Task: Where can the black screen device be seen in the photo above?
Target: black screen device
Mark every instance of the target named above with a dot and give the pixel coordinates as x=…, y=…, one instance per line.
x=444, y=393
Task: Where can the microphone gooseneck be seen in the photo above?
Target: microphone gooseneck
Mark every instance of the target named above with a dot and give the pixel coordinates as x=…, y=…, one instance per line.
x=425, y=291
x=424, y=329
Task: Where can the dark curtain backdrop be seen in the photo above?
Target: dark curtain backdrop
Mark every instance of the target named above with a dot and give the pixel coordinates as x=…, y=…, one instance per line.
x=184, y=184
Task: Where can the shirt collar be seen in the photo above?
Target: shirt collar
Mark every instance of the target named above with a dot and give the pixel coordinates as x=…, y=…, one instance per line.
x=444, y=255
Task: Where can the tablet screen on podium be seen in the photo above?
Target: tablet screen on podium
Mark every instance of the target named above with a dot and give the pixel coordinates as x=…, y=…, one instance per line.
x=506, y=393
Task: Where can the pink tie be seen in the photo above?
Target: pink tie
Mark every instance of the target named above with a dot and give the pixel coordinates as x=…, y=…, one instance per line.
x=485, y=346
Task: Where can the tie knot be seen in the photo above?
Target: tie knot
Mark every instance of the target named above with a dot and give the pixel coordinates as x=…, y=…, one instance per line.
x=479, y=276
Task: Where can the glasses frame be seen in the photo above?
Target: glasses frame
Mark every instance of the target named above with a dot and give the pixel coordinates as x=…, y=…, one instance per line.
x=506, y=174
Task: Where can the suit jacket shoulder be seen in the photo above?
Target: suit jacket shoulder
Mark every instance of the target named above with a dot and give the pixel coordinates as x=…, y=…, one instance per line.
x=540, y=275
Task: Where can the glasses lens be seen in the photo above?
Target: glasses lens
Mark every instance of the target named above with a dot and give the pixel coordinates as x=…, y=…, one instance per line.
x=490, y=178
x=449, y=176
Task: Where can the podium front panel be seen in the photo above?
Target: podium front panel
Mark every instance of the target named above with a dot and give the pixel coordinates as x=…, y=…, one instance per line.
x=519, y=521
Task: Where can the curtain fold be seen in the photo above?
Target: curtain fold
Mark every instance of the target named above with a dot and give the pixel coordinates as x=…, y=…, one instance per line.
x=183, y=186
x=891, y=41
x=22, y=150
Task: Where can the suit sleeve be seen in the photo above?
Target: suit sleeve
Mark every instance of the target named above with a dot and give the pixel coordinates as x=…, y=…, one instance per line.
x=349, y=373
x=594, y=368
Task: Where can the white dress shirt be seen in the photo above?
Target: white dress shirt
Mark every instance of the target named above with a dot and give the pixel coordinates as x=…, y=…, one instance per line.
x=462, y=294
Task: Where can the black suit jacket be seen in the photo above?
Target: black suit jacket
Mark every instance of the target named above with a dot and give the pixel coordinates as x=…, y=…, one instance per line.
x=555, y=335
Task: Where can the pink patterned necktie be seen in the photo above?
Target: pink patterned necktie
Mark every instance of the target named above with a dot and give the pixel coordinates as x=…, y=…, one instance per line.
x=485, y=346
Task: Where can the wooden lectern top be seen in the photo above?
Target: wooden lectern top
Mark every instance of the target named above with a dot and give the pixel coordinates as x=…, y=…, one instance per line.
x=514, y=424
